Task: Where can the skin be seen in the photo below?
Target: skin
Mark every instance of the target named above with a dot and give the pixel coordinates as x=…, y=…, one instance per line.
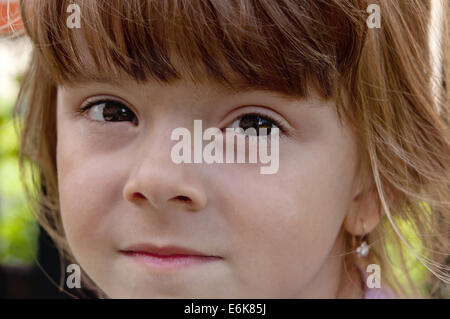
x=278, y=236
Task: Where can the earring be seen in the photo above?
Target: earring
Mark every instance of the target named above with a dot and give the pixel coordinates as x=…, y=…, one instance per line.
x=363, y=249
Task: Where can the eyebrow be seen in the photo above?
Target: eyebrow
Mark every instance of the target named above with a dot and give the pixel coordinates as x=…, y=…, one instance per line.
x=239, y=87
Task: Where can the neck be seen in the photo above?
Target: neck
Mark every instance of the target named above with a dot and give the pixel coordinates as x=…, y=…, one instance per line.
x=335, y=279
x=351, y=285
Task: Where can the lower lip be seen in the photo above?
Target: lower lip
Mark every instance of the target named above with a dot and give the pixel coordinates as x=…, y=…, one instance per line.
x=170, y=261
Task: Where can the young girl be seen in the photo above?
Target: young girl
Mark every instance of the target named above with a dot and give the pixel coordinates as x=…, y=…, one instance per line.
x=363, y=180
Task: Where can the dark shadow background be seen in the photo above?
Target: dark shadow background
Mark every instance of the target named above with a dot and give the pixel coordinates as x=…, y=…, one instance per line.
x=32, y=282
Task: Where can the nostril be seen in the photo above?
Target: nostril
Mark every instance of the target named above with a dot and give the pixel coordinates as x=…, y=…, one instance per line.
x=184, y=199
x=138, y=195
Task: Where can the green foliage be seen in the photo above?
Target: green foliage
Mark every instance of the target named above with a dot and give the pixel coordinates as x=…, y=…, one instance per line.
x=18, y=228
x=416, y=270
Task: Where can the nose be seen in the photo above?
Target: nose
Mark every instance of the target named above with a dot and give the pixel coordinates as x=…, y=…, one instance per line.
x=161, y=183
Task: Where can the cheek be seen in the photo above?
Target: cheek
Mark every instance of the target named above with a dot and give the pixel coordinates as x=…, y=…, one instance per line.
x=80, y=200
x=288, y=221
x=87, y=183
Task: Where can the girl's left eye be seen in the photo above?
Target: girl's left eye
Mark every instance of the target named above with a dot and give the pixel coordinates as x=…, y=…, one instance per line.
x=109, y=111
x=256, y=122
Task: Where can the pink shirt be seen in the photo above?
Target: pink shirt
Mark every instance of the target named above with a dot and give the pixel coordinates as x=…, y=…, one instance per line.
x=379, y=293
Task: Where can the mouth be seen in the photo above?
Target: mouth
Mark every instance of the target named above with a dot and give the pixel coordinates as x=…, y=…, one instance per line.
x=167, y=257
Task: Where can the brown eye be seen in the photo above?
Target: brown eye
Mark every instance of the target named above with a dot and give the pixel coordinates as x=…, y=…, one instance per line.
x=255, y=123
x=110, y=111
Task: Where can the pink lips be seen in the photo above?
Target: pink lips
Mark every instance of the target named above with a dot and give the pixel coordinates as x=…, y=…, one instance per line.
x=168, y=257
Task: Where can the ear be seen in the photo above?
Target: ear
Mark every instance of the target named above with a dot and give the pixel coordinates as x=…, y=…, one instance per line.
x=364, y=213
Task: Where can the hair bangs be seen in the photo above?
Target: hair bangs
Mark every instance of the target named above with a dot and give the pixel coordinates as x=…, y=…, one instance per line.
x=250, y=44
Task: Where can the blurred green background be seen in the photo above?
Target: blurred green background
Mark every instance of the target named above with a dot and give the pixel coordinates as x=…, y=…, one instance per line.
x=18, y=229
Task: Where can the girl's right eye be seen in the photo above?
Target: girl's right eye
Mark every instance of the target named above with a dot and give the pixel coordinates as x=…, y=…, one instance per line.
x=108, y=111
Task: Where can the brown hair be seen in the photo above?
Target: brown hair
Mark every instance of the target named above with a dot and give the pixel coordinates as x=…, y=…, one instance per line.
x=380, y=78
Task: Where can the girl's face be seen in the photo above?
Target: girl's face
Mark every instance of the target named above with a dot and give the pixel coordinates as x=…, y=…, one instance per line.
x=273, y=236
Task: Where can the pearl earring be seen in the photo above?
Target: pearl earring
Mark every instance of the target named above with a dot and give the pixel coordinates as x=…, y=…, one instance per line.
x=363, y=249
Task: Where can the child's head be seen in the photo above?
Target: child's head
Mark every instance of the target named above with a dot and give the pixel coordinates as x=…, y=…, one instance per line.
x=364, y=143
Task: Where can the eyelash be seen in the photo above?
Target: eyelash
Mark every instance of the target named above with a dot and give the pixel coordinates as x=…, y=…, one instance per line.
x=89, y=105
